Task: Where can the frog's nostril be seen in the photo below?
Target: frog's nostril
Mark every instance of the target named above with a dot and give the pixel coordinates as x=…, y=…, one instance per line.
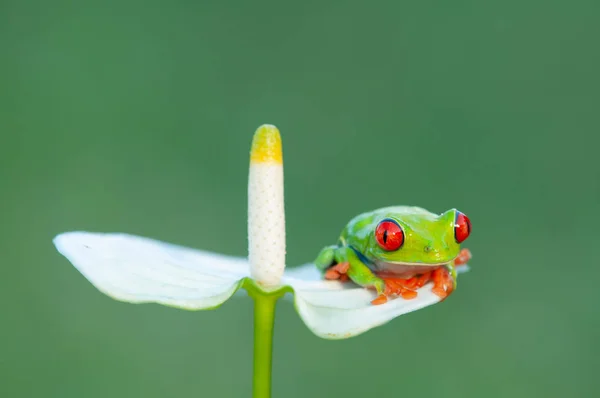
x=428, y=249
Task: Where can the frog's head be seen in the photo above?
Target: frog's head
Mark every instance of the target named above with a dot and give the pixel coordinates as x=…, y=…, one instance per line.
x=418, y=238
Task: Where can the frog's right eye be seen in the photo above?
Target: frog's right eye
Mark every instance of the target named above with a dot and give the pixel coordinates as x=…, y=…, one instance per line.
x=389, y=235
x=462, y=227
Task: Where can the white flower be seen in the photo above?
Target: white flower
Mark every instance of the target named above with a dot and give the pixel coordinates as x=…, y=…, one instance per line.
x=141, y=270
x=266, y=216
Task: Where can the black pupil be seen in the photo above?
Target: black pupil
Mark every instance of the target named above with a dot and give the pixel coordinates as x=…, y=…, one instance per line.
x=385, y=234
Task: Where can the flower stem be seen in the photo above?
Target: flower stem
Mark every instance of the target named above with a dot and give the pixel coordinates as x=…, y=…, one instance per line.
x=264, y=320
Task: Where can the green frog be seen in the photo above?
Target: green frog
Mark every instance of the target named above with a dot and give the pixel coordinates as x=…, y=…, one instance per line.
x=396, y=250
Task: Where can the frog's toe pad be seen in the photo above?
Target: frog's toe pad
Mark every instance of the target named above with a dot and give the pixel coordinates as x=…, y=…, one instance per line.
x=381, y=299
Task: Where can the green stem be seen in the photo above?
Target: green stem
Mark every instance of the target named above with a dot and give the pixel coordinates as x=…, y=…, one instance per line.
x=264, y=320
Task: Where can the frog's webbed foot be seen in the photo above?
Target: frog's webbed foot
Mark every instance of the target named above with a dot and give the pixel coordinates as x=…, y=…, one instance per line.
x=405, y=288
x=400, y=287
x=392, y=289
x=443, y=283
x=338, y=272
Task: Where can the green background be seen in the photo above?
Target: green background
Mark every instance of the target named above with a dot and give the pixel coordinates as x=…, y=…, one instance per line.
x=137, y=117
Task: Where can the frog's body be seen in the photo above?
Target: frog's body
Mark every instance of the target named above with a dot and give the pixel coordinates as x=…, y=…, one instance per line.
x=397, y=250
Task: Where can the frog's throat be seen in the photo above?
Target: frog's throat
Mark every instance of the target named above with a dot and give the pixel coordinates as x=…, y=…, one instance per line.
x=384, y=264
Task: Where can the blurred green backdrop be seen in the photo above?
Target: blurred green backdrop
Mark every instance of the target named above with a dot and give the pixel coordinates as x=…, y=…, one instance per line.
x=137, y=116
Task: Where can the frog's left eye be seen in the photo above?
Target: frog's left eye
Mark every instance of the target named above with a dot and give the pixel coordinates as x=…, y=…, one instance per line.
x=462, y=227
x=389, y=235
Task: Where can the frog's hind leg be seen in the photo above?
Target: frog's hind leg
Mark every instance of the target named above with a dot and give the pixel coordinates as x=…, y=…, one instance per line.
x=463, y=257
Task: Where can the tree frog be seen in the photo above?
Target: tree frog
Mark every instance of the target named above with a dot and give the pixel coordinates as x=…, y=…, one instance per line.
x=397, y=250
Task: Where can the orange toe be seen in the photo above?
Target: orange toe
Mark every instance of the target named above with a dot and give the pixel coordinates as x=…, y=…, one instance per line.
x=408, y=294
x=393, y=286
x=440, y=292
x=342, y=268
x=332, y=274
x=381, y=299
x=423, y=279
x=412, y=283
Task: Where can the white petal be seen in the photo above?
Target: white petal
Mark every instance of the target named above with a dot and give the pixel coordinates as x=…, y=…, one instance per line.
x=336, y=310
x=139, y=270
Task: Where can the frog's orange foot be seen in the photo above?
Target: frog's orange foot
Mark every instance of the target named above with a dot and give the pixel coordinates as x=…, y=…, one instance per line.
x=463, y=257
x=395, y=287
x=443, y=283
x=417, y=282
x=338, y=271
x=405, y=288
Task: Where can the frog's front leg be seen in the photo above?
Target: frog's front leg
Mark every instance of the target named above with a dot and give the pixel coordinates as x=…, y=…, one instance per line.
x=332, y=264
x=445, y=278
x=444, y=281
x=342, y=263
x=361, y=274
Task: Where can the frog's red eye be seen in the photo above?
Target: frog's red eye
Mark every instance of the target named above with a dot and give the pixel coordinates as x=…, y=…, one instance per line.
x=462, y=227
x=389, y=235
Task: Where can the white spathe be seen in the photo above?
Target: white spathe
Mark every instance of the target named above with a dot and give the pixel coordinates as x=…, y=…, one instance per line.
x=141, y=270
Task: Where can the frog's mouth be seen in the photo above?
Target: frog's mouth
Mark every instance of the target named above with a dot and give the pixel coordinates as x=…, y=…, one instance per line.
x=407, y=270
